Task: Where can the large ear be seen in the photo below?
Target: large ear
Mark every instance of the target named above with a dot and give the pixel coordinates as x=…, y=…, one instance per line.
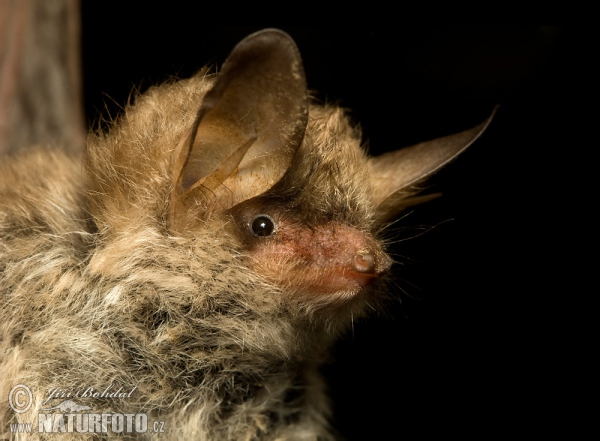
x=247, y=129
x=395, y=172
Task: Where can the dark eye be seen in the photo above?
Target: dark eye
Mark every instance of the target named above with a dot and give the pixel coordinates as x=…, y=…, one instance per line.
x=263, y=225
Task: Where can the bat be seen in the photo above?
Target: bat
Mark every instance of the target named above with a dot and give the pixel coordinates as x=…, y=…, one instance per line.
x=187, y=279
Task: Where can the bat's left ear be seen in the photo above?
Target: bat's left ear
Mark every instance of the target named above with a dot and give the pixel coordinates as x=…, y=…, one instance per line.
x=394, y=173
x=247, y=130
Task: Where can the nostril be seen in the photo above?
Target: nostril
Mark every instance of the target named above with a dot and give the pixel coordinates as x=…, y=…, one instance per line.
x=364, y=262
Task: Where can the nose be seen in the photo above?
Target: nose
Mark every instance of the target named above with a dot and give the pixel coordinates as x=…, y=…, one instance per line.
x=365, y=261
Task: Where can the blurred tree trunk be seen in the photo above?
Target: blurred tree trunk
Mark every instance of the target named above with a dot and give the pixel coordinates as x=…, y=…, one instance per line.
x=40, y=75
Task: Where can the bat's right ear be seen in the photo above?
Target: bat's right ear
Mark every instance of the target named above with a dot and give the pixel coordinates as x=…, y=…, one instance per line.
x=247, y=129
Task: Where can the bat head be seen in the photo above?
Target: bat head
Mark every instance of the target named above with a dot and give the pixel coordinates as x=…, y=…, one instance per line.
x=246, y=154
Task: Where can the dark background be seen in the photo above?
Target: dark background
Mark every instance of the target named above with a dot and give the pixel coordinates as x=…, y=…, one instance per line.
x=477, y=341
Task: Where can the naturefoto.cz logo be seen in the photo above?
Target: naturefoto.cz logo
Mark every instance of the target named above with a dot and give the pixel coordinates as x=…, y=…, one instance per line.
x=70, y=415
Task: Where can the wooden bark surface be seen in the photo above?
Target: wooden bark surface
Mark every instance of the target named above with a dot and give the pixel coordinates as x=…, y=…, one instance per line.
x=40, y=75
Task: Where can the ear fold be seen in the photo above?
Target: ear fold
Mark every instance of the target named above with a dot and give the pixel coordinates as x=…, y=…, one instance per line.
x=393, y=172
x=248, y=127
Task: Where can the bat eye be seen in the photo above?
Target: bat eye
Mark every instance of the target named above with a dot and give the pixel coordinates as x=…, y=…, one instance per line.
x=263, y=225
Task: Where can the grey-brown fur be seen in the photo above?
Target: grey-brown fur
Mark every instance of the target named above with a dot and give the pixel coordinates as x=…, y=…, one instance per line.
x=67, y=406
x=117, y=272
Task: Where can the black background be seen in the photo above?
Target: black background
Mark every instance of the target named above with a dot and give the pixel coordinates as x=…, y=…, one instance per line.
x=477, y=342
